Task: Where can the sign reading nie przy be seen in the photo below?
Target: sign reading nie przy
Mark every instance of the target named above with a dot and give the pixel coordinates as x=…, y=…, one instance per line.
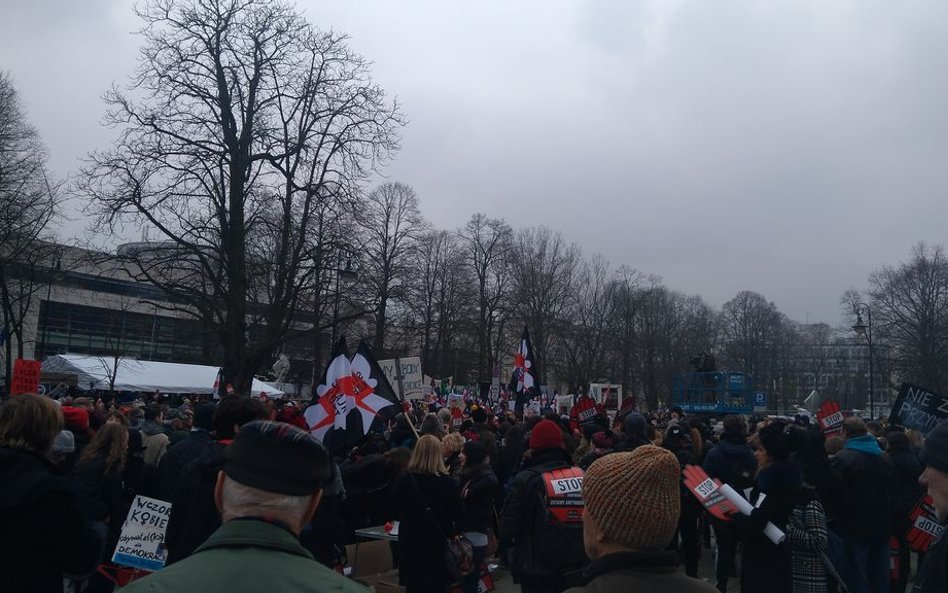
x=918, y=408
x=142, y=541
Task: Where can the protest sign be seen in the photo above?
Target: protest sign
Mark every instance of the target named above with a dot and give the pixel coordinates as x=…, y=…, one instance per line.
x=412, y=385
x=26, y=376
x=918, y=408
x=707, y=491
x=830, y=418
x=142, y=541
x=925, y=526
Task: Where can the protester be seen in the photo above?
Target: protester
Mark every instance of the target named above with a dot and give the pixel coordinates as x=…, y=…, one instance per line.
x=183, y=452
x=631, y=512
x=485, y=433
x=686, y=539
x=269, y=489
x=633, y=432
x=809, y=539
x=933, y=575
x=540, y=562
x=154, y=437
x=906, y=492
x=98, y=476
x=479, y=493
x=866, y=479
x=194, y=514
x=451, y=445
x=432, y=425
x=427, y=504
x=766, y=566
x=45, y=532
x=732, y=462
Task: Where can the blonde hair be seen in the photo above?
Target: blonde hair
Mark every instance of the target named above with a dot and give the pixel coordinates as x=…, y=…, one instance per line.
x=426, y=457
x=30, y=422
x=453, y=441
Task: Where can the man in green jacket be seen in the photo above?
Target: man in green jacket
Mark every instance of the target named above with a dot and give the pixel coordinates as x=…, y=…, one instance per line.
x=270, y=487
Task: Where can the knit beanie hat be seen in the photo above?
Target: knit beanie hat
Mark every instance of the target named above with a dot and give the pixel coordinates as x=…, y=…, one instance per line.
x=935, y=451
x=634, y=496
x=277, y=457
x=546, y=435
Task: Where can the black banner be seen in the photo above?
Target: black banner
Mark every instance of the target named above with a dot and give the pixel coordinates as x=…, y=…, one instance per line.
x=918, y=408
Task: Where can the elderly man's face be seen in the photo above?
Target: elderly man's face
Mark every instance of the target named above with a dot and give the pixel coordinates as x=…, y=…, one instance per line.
x=937, y=483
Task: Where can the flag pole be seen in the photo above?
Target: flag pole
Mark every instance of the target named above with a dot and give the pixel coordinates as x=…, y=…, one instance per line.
x=401, y=394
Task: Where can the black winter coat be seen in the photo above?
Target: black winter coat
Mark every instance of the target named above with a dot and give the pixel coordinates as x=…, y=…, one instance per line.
x=179, y=455
x=479, y=492
x=45, y=532
x=766, y=566
x=517, y=527
x=101, y=493
x=194, y=514
x=906, y=491
x=427, y=508
x=731, y=461
x=866, y=481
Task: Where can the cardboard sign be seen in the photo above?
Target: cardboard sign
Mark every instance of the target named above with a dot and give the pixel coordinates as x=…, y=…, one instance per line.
x=707, y=491
x=413, y=380
x=925, y=526
x=918, y=408
x=830, y=418
x=26, y=376
x=142, y=541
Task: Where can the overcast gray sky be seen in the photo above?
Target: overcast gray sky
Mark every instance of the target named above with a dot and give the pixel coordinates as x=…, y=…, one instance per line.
x=788, y=148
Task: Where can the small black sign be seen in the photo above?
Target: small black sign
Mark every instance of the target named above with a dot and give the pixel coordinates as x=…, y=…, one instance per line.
x=918, y=408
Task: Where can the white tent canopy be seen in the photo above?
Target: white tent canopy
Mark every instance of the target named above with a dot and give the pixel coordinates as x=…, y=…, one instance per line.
x=142, y=375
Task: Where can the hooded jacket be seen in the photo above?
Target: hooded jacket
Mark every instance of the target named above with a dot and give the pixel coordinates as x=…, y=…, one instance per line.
x=37, y=500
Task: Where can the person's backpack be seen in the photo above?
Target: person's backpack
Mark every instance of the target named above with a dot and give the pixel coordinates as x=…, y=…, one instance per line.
x=741, y=474
x=558, y=520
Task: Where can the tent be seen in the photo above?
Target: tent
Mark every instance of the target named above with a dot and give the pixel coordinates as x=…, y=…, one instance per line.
x=143, y=375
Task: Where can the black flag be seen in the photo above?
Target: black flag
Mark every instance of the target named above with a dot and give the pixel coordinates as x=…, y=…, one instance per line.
x=331, y=403
x=375, y=400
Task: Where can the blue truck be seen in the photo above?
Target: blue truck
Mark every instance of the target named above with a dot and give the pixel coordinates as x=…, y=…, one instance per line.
x=715, y=392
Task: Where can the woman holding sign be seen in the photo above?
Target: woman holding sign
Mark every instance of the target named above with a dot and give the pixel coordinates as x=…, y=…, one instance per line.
x=778, y=489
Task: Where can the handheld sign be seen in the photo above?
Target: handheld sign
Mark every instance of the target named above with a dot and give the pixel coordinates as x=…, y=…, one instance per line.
x=925, y=526
x=918, y=408
x=142, y=541
x=707, y=491
x=26, y=376
x=830, y=418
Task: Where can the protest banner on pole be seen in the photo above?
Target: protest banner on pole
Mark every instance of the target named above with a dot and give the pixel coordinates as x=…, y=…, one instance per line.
x=918, y=408
x=26, y=376
x=412, y=384
x=142, y=541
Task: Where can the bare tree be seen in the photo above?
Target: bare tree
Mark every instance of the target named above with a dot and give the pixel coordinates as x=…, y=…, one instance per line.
x=910, y=315
x=29, y=205
x=584, y=337
x=487, y=245
x=240, y=119
x=543, y=273
x=391, y=222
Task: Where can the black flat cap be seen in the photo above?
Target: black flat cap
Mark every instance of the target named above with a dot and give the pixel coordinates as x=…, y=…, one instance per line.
x=277, y=457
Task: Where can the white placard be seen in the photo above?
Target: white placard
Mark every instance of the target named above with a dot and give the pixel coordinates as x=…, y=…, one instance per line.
x=142, y=541
x=412, y=378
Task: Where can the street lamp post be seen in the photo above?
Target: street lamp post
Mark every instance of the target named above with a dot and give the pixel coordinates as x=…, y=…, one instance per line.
x=348, y=275
x=343, y=276
x=865, y=330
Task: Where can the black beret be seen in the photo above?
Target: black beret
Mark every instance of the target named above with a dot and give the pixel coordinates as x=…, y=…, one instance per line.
x=277, y=457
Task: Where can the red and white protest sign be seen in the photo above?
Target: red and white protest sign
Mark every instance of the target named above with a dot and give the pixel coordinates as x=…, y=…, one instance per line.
x=925, y=526
x=830, y=418
x=707, y=491
x=26, y=376
x=582, y=411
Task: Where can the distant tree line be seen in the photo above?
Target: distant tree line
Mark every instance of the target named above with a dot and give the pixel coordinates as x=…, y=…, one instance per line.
x=248, y=139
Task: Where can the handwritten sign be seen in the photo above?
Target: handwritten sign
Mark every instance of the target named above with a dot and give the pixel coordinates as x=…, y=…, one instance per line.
x=142, y=541
x=26, y=376
x=918, y=408
x=413, y=385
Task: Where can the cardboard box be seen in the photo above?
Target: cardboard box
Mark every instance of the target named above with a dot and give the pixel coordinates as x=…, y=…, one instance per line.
x=370, y=558
x=386, y=582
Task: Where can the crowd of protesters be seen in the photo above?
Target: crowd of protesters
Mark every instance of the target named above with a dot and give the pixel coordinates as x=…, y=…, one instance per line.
x=258, y=502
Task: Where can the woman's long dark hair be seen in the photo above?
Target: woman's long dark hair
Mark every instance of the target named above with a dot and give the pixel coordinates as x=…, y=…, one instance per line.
x=111, y=444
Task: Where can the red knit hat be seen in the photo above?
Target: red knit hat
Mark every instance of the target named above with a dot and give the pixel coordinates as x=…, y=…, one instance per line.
x=546, y=435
